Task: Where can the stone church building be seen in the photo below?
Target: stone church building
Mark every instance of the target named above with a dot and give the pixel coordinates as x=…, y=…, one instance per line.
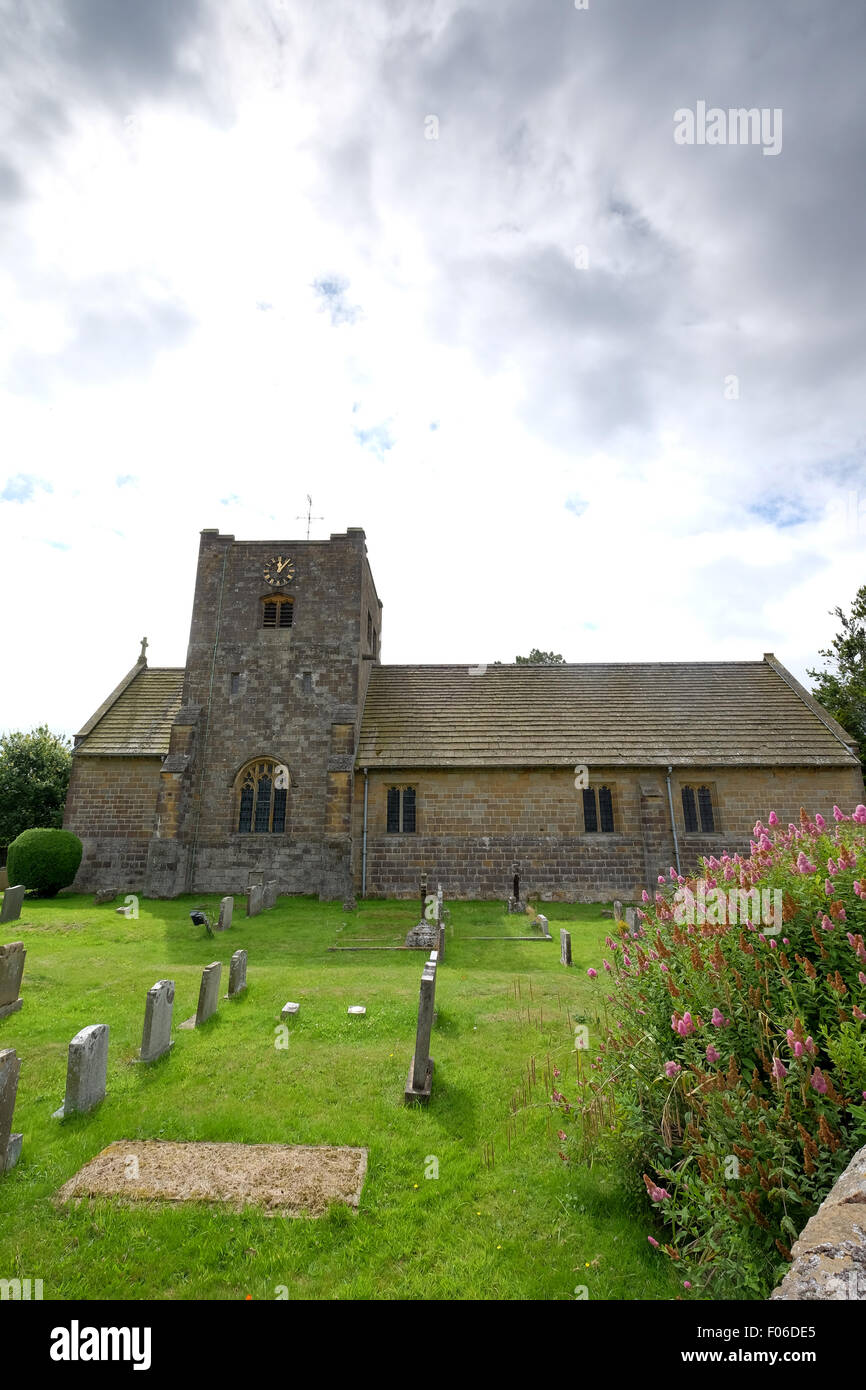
x=285, y=744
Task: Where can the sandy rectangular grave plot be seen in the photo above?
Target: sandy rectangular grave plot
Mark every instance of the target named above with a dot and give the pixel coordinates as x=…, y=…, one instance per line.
x=284, y=1179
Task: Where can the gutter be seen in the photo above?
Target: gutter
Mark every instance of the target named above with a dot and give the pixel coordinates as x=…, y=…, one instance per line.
x=673, y=822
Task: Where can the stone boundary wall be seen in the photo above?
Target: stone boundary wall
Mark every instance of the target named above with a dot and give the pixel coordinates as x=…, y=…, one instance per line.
x=830, y=1254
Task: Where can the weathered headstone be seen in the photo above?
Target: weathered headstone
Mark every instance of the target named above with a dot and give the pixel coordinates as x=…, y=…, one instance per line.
x=631, y=920
x=356, y=1010
x=269, y=894
x=254, y=899
x=289, y=1010
x=208, y=996
x=227, y=906
x=564, y=946
x=441, y=946
x=419, y=1082
x=10, y=911
x=105, y=895
x=256, y=876
x=515, y=902
x=237, y=974
x=11, y=970
x=10, y=1144
x=617, y=909
x=158, y=1009
x=543, y=923
x=86, y=1070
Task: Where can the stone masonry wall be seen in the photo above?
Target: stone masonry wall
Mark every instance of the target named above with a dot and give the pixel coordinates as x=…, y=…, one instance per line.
x=111, y=806
x=472, y=824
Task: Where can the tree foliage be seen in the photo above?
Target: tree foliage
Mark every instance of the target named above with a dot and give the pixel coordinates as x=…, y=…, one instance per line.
x=842, y=689
x=538, y=658
x=34, y=776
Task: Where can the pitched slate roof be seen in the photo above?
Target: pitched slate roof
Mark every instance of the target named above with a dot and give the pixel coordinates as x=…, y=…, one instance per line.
x=136, y=719
x=747, y=713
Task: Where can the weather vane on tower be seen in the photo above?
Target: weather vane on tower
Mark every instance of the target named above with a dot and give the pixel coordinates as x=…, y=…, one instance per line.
x=308, y=516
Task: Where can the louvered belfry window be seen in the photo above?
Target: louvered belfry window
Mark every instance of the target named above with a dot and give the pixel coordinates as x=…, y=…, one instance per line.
x=277, y=612
x=400, y=811
x=262, y=806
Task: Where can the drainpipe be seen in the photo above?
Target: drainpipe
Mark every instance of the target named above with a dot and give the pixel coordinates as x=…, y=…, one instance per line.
x=364, y=846
x=673, y=822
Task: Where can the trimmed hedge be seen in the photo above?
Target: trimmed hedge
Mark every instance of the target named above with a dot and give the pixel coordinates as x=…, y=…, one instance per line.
x=45, y=860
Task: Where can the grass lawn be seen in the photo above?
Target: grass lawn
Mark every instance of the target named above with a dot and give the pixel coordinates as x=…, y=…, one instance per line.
x=528, y=1227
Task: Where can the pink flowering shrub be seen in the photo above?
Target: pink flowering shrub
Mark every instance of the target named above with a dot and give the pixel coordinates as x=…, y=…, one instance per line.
x=734, y=1061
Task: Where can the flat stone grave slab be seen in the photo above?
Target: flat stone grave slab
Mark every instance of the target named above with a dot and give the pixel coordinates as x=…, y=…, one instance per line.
x=284, y=1179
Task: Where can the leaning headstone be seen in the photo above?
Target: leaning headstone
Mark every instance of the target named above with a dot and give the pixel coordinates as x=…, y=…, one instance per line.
x=617, y=909
x=11, y=970
x=631, y=920
x=10, y=1144
x=237, y=974
x=419, y=1082
x=564, y=946
x=269, y=894
x=542, y=922
x=86, y=1070
x=227, y=906
x=12, y=900
x=254, y=899
x=208, y=995
x=289, y=1010
x=158, y=1009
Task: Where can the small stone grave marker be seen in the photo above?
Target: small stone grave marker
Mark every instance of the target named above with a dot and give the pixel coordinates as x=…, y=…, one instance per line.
x=564, y=946
x=208, y=996
x=254, y=899
x=158, y=1010
x=225, y=918
x=86, y=1070
x=10, y=1144
x=237, y=974
x=10, y=911
x=11, y=970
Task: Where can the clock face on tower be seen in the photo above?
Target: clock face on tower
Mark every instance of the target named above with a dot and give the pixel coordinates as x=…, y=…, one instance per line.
x=279, y=571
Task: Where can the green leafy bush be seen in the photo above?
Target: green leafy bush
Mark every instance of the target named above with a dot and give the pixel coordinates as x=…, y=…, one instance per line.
x=46, y=860
x=731, y=1077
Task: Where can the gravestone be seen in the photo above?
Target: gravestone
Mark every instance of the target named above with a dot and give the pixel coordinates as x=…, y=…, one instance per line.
x=617, y=910
x=289, y=1010
x=419, y=1082
x=208, y=996
x=237, y=974
x=543, y=923
x=158, y=1009
x=425, y=935
x=631, y=920
x=10, y=1144
x=254, y=899
x=564, y=946
x=441, y=946
x=269, y=894
x=356, y=1010
x=256, y=877
x=12, y=900
x=515, y=902
x=86, y=1070
x=11, y=970
x=227, y=906
x=105, y=895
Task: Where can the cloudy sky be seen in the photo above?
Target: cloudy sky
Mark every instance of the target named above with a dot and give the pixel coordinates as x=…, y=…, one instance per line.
x=444, y=267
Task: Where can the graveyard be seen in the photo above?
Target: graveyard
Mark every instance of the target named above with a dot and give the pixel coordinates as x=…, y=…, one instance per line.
x=307, y=1029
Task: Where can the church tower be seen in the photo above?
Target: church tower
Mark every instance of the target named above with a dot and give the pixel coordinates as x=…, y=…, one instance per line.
x=259, y=773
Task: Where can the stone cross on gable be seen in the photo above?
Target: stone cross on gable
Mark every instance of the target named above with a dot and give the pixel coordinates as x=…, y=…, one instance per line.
x=142, y=656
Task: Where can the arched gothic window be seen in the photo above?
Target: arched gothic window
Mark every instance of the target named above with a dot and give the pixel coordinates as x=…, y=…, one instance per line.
x=263, y=792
